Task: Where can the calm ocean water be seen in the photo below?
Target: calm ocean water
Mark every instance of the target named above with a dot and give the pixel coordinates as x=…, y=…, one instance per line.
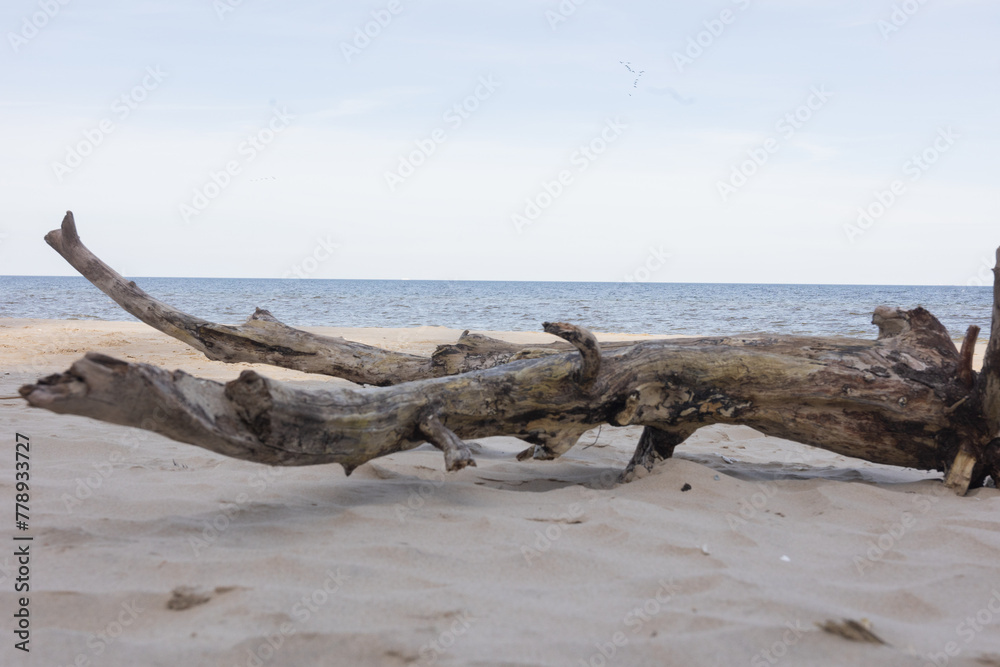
x=661, y=308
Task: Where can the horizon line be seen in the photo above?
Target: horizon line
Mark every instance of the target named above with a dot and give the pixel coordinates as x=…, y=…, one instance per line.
x=492, y=280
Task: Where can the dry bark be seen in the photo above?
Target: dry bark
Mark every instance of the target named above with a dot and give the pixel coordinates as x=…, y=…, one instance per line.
x=909, y=398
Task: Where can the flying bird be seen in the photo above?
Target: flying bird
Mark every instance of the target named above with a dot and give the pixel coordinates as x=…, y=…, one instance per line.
x=638, y=75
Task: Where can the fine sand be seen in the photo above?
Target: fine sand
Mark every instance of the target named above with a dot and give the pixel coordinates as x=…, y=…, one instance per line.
x=151, y=552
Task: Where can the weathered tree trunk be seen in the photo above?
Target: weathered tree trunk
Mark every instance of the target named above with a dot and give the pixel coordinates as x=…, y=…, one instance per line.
x=977, y=459
x=909, y=398
x=262, y=339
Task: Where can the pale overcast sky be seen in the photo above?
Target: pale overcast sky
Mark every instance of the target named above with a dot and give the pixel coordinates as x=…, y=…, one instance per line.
x=740, y=138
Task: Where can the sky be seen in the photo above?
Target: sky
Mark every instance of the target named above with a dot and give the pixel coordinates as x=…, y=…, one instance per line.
x=781, y=141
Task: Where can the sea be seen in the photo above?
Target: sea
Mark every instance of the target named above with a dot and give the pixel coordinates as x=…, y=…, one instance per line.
x=652, y=308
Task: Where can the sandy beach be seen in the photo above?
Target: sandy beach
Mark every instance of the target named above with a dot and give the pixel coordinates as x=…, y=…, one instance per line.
x=735, y=552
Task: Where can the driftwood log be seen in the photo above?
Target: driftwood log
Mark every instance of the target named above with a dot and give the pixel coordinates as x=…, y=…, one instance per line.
x=910, y=398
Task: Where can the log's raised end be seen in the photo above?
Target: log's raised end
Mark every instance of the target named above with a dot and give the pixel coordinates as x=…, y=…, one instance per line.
x=917, y=327
x=65, y=234
x=584, y=342
x=891, y=322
